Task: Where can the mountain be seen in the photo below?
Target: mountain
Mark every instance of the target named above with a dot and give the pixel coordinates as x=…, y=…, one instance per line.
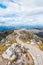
x=5, y=28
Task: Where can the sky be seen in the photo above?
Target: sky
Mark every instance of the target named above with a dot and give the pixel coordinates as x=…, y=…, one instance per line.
x=21, y=12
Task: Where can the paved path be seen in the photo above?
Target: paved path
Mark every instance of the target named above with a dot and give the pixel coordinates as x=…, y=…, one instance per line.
x=35, y=52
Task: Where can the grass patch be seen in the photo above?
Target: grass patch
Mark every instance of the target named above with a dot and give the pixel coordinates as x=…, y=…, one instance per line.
x=2, y=48
x=40, y=46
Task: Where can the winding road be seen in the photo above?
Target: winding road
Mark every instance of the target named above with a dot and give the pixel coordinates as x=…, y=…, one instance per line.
x=35, y=52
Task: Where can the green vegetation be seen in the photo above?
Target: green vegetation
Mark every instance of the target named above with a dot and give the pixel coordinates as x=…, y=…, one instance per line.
x=26, y=36
x=24, y=40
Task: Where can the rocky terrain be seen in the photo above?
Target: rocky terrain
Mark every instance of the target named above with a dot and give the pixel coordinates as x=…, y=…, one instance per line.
x=16, y=47
x=5, y=33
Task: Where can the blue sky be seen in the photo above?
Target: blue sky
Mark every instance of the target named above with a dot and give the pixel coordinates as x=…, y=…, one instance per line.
x=21, y=12
x=2, y=6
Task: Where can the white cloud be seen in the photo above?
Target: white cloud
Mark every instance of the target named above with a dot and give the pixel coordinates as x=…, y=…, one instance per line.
x=29, y=12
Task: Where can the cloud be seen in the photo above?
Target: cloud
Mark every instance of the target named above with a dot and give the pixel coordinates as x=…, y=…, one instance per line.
x=21, y=12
